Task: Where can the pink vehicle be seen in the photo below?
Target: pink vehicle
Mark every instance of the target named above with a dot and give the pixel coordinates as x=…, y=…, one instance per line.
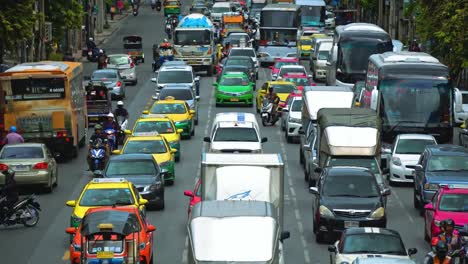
x=281, y=62
x=450, y=201
x=195, y=196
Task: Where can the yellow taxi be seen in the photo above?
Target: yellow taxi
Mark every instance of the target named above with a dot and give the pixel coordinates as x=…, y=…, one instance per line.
x=156, y=145
x=304, y=47
x=161, y=124
x=177, y=110
x=104, y=192
x=281, y=88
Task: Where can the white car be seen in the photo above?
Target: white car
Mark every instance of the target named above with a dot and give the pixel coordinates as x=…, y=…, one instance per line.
x=290, y=69
x=125, y=65
x=368, y=242
x=250, y=52
x=406, y=151
x=319, y=60
x=461, y=106
x=177, y=75
x=330, y=20
x=292, y=118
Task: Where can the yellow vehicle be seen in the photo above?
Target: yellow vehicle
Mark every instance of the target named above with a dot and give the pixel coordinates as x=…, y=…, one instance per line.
x=232, y=22
x=304, y=47
x=171, y=7
x=281, y=88
x=46, y=101
x=156, y=145
x=177, y=110
x=162, y=125
x=104, y=192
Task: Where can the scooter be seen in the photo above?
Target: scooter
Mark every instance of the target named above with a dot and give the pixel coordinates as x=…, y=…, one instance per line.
x=93, y=54
x=268, y=119
x=158, y=6
x=25, y=212
x=98, y=157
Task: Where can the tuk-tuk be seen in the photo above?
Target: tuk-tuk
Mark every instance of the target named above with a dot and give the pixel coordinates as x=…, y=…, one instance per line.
x=161, y=53
x=171, y=7
x=109, y=237
x=98, y=102
x=134, y=47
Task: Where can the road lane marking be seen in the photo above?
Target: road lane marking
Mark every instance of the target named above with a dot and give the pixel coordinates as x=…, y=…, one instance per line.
x=291, y=189
x=403, y=207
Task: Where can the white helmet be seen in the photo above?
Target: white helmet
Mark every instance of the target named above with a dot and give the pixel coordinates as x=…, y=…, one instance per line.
x=110, y=115
x=101, y=51
x=120, y=103
x=91, y=39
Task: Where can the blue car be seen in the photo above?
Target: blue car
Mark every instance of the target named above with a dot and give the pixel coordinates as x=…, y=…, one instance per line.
x=439, y=165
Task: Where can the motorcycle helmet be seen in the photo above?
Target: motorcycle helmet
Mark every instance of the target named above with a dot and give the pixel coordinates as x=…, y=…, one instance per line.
x=101, y=51
x=91, y=39
x=13, y=129
x=120, y=103
x=449, y=225
x=97, y=127
x=110, y=115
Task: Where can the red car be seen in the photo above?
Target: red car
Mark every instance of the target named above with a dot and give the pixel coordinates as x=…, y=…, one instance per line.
x=112, y=230
x=300, y=79
x=280, y=62
x=195, y=196
x=450, y=201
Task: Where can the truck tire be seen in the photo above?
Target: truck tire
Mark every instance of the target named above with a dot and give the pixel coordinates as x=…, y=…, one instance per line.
x=209, y=71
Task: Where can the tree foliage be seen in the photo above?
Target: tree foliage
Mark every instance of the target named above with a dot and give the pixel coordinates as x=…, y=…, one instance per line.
x=64, y=14
x=16, y=23
x=443, y=24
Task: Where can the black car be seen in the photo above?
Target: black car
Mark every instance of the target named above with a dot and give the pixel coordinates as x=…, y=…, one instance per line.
x=362, y=241
x=439, y=164
x=347, y=197
x=143, y=171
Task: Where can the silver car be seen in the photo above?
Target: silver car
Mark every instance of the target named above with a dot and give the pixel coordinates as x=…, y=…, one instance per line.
x=125, y=65
x=33, y=164
x=113, y=81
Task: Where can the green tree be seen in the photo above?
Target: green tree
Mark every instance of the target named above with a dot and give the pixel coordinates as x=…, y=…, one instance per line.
x=443, y=24
x=16, y=24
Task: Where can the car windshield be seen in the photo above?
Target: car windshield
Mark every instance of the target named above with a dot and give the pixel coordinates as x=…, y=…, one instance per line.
x=239, y=62
x=22, y=153
x=119, y=60
x=144, y=146
x=296, y=106
x=236, y=134
x=370, y=163
x=162, y=127
x=347, y=185
x=104, y=75
x=130, y=167
x=306, y=42
x=175, y=77
x=168, y=109
x=107, y=197
x=234, y=81
x=178, y=94
x=283, y=88
x=242, y=52
x=279, y=64
x=323, y=55
x=448, y=163
x=413, y=146
x=373, y=243
x=456, y=202
x=298, y=81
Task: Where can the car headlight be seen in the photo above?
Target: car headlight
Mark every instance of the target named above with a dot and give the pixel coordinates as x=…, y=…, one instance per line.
x=378, y=213
x=396, y=161
x=431, y=186
x=295, y=120
x=325, y=212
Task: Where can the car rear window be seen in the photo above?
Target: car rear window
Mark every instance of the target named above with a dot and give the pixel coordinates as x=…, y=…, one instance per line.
x=22, y=153
x=242, y=52
x=122, y=60
x=178, y=94
x=104, y=75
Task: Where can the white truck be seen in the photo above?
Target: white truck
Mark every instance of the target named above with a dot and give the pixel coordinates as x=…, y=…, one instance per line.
x=194, y=43
x=235, y=232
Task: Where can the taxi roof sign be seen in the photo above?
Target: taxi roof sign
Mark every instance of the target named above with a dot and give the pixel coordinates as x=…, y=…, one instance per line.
x=109, y=180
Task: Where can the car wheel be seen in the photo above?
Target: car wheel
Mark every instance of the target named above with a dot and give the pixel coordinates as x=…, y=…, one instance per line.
x=135, y=82
x=151, y=260
x=319, y=237
x=192, y=133
x=177, y=159
x=415, y=200
x=56, y=179
x=196, y=121
x=161, y=205
x=306, y=175
x=426, y=235
x=312, y=182
x=49, y=188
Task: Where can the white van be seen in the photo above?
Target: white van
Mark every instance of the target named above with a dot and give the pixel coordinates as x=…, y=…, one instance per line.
x=235, y=132
x=319, y=60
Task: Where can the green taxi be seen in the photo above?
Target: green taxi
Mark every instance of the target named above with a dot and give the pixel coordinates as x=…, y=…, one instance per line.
x=234, y=88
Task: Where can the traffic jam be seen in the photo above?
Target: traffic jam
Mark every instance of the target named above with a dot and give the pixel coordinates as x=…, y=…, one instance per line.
x=274, y=128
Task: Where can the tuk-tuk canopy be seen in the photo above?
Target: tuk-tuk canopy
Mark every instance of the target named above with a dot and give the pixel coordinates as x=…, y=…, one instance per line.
x=121, y=222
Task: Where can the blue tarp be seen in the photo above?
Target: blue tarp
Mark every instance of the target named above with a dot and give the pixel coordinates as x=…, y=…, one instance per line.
x=201, y=22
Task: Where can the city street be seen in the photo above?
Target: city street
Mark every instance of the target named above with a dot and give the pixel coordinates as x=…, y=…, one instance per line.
x=48, y=242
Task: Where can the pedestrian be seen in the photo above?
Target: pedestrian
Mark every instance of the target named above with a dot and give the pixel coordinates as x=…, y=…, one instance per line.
x=120, y=5
x=112, y=12
x=13, y=137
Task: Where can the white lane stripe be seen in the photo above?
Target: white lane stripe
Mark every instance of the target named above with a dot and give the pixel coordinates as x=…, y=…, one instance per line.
x=403, y=207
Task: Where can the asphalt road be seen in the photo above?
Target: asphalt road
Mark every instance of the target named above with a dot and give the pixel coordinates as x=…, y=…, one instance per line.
x=48, y=243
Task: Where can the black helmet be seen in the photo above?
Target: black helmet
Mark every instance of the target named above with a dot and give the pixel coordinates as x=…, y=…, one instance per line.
x=270, y=89
x=449, y=222
x=441, y=247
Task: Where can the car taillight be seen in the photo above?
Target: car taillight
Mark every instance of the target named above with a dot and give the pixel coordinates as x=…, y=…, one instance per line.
x=132, y=65
x=61, y=133
x=41, y=166
x=3, y=167
x=119, y=83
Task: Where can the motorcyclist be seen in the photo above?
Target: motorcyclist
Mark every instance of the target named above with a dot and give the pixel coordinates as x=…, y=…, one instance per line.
x=10, y=192
x=98, y=134
x=168, y=29
x=110, y=123
x=449, y=236
x=121, y=111
x=441, y=254
x=90, y=44
x=165, y=48
x=102, y=59
x=274, y=99
x=13, y=137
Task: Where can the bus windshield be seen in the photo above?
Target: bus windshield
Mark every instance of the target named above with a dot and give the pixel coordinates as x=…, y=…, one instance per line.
x=313, y=15
x=279, y=37
x=280, y=19
x=354, y=53
x=415, y=102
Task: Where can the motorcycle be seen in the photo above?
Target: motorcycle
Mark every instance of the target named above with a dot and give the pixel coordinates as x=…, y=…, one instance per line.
x=111, y=139
x=268, y=119
x=93, y=54
x=158, y=6
x=123, y=123
x=98, y=157
x=25, y=212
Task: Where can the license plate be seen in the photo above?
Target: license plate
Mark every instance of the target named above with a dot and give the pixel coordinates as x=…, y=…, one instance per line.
x=105, y=254
x=234, y=99
x=21, y=167
x=349, y=224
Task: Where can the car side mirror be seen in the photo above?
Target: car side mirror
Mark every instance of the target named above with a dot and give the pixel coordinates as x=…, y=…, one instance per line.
x=357, y=104
x=142, y=201
x=215, y=84
x=285, y=109
x=429, y=207
x=285, y=235
x=188, y=193
x=173, y=150
x=87, y=78
x=318, y=170
x=418, y=167
x=150, y=228
x=71, y=203
x=309, y=76
x=70, y=230
x=412, y=251
x=197, y=98
x=117, y=152
x=192, y=112
x=180, y=131
x=110, y=88
x=154, y=80
x=332, y=248
x=127, y=132
x=314, y=190
x=264, y=139
x=145, y=112
x=207, y=139
x=386, y=192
